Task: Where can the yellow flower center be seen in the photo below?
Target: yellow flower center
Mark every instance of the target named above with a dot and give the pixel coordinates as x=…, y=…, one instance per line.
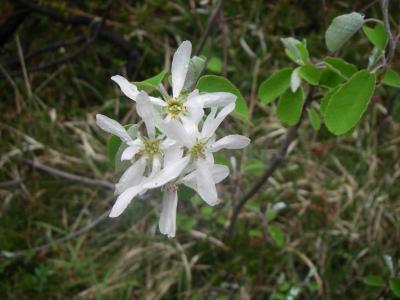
x=175, y=107
x=197, y=150
x=151, y=147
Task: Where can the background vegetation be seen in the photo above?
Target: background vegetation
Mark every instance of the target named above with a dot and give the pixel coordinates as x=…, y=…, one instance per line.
x=324, y=222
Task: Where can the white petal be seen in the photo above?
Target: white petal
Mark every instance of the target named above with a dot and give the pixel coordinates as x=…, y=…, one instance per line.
x=190, y=127
x=219, y=173
x=180, y=66
x=130, y=152
x=147, y=112
x=167, y=223
x=205, y=183
x=172, y=154
x=211, y=124
x=155, y=168
x=233, y=141
x=167, y=174
x=157, y=101
x=113, y=127
x=194, y=106
x=132, y=176
x=295, y=80
x=130, y=90
x=175, y=130
x=217, y=99
x=123, y=200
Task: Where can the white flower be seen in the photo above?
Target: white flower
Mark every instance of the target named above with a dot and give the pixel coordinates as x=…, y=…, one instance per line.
x=154, y=153
x=201, y=146
x=182, y=103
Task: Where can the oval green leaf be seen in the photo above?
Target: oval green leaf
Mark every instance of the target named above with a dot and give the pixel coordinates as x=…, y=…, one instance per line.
x=391, y=78
x=275, y=85
x=214, y=83
x=290, y=106
x=342, y=29
x=310, y=73
x=348, y=104
x=314, y=119
x=374, y=280
x=340, y=67
x=277, y=235
x=394, y=284
x=377, y=35
x=330, y=79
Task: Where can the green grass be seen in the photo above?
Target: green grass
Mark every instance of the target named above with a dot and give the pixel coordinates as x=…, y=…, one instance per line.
x=342, y=194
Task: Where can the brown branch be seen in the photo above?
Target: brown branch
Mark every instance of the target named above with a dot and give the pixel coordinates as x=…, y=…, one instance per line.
x=210, y=23
x=70, y=176
x=275, y=163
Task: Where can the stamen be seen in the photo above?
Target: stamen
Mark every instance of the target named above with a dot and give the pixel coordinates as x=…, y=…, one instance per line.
x=175, y=107
x=150, y=147
x=197, y=150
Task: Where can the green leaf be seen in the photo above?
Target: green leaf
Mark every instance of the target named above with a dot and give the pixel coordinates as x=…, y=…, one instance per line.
x=214, y=83
x=215, y=64
x=275, y=85
x=394, y=284
x=314, y=119
x=325, y=100
x=373, y=280
x=277, y=235
x=295, y=50
x=377, y=35
x=310, y=73
x=348, y=104
x=155, y=80
x=145, y=86
x=330, y=79
x=196, y=66
x=391, y=78
x=342, y=29
x=340, y=67
x=290, y=106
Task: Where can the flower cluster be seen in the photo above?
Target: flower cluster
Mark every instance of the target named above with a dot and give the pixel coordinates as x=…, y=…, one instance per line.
x=179, y=141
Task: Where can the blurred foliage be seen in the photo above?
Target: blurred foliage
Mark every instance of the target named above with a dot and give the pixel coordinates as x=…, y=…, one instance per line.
x=341, y=194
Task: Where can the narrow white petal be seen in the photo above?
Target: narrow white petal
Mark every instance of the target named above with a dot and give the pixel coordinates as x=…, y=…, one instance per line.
x=219, y=173
x=130, y=152
x=167, y=223
x=211, y=124
x=205, y=183
x=123, y=200
x=194, y=106
x=172, y=154
x=132, y=176
x=175, y=130
x=180, y=66
x=157, y=101
x=167, y=174
x=217, y=99
x=295, y=80
x=147, y=112
x=113, y=127
x=130, y=90
x=233, y=141
x=190, y=127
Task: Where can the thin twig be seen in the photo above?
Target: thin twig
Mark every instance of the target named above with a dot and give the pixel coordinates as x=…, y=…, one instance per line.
x=275, y=163
x=210, y=23
x=72, y=235
x=70, y=176
x=11, y=183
